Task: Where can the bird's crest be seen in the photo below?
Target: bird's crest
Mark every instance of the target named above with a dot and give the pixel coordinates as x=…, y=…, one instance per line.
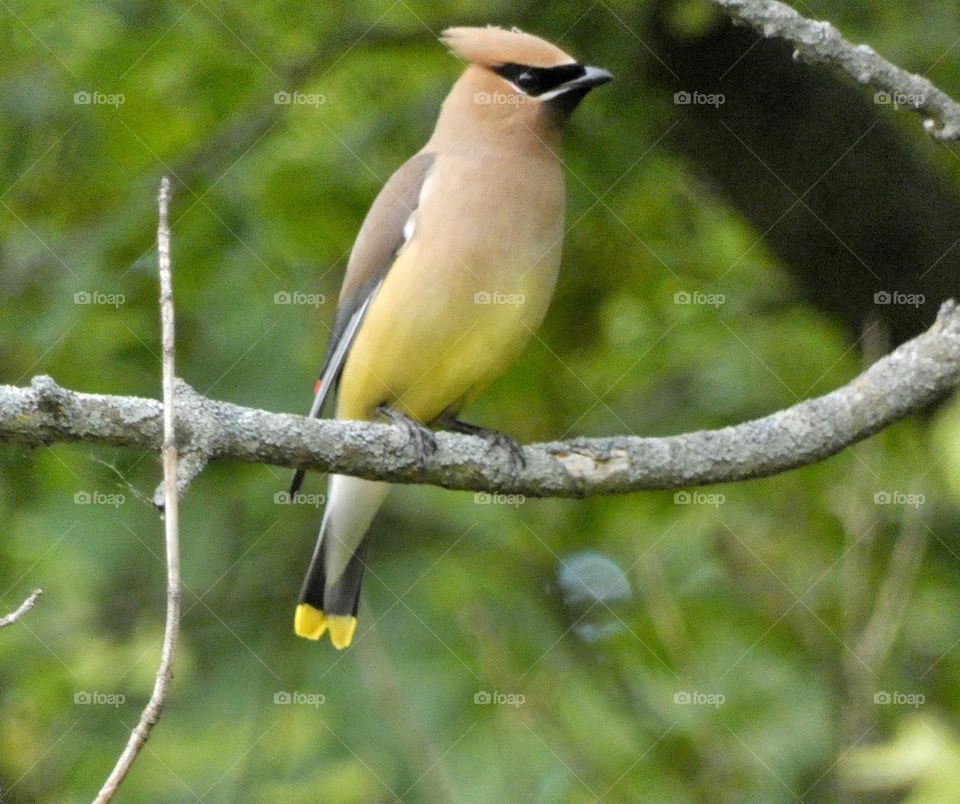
x=493, y=46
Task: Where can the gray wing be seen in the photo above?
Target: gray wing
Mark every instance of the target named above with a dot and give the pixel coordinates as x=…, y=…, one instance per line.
x=383, y=233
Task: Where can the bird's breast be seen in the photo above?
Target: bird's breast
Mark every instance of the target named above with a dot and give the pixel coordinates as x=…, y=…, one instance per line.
x=465, y=293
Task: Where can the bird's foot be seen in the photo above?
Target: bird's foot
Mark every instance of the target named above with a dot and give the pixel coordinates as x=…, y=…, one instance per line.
x=493, y=437
x=421, y=436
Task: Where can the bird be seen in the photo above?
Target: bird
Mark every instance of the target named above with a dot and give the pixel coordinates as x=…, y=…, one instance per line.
x=451, y=272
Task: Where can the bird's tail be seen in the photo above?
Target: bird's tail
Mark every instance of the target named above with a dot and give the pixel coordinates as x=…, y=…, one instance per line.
x=331, y=590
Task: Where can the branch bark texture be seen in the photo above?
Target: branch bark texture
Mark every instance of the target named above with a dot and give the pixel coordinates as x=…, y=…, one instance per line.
x=916, y=374
x=819, y=41
x=164, y=677
x=22, y=609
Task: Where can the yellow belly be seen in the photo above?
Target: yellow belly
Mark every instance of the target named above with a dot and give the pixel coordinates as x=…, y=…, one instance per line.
x=438, y=333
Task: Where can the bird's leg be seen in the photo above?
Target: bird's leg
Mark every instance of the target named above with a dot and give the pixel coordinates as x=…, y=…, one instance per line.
x=494, y=438
x=422, y=437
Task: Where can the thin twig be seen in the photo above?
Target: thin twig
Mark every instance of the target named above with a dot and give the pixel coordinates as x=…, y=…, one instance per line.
x=27, y=604
x=419, y=744
x=154, y=708
x=894, y=595
x=122, y=479
x=861, y=523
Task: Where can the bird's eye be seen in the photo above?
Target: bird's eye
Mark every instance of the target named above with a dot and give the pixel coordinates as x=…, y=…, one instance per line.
x=526, y=80
x=534, y=81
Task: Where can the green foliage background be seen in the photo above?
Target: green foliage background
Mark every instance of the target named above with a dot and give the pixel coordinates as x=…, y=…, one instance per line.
x=758, y=598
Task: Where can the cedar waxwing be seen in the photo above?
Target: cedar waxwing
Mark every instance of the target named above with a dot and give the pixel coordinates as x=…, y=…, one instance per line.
x=452, y=271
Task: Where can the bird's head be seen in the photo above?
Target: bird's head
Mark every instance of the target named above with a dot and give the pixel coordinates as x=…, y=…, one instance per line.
x=517, y=77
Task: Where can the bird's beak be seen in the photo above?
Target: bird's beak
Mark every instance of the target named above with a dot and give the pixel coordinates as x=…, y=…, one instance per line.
x=593, y=77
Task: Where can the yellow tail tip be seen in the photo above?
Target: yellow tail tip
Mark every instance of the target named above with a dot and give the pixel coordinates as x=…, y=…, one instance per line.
x=308, y=622
x=311, y=623
x=341, y=629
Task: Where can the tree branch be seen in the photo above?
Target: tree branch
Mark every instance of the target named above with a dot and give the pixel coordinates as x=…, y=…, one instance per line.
x=919, y=372
x=23, y=608
x=819, y=41
x=161, y=687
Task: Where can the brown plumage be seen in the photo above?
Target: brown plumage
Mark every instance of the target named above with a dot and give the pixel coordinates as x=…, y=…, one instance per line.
x=452, y=271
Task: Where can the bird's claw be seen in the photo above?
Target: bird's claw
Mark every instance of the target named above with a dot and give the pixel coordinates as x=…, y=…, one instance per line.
x=493, y=437
x=422, y=437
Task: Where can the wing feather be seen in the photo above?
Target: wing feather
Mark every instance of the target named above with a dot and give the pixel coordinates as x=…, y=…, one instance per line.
x=384, y=232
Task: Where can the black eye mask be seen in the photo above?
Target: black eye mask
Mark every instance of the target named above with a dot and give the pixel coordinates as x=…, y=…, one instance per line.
x=535, y=81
